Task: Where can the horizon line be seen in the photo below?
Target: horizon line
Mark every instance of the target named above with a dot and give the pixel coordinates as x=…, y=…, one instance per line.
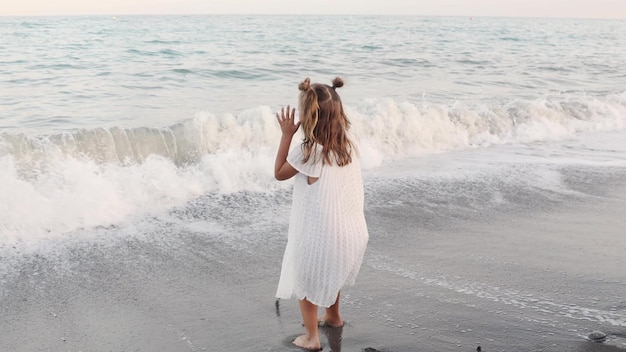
x=303, y=14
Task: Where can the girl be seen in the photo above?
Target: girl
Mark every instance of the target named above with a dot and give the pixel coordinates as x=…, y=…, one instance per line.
x=327, y=230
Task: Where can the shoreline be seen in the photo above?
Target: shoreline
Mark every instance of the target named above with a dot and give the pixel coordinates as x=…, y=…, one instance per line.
x=531, y=280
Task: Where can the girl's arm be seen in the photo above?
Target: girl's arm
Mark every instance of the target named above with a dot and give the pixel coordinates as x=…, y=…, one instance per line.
x=282, y=169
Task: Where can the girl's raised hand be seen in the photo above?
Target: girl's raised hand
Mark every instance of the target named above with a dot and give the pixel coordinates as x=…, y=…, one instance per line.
x=286, y=120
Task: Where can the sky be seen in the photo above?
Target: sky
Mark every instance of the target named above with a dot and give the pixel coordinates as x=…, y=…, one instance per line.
x=470, y=8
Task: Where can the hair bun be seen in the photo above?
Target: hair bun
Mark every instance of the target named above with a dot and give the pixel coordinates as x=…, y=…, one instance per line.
x=305, y=85
x=337, y=82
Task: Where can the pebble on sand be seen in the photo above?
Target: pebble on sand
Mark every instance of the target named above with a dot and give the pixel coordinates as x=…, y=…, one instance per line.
x=597, y=336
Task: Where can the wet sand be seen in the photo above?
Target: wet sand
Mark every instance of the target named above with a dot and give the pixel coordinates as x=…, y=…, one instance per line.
x=531, y=279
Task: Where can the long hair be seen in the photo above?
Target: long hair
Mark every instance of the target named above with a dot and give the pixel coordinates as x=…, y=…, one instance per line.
x=324, y=122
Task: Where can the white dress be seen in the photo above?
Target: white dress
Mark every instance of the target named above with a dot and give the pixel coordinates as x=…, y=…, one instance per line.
x=327, y=230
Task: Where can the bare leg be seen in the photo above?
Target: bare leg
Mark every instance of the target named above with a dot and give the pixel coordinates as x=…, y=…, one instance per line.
x=332, y=316
x=311, y=339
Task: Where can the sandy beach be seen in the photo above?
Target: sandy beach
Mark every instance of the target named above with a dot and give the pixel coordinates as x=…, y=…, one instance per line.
x=537, y=275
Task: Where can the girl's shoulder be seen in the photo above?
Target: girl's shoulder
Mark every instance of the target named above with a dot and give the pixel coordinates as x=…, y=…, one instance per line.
x=313, y=166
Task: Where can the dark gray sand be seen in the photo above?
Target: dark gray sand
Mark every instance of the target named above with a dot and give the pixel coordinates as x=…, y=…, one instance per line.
x=527, y=276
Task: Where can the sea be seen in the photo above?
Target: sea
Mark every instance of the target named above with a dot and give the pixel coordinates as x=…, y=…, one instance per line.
x=134, y=128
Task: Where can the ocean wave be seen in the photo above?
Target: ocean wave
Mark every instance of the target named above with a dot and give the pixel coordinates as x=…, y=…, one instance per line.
x=386, y=128
x=392, y=130
x=86, y=178
x=160, y=41
x=183, y=70
x=237, y=74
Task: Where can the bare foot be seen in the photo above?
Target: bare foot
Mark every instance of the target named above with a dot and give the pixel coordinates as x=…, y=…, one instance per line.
x=310, y=344
x=333, y=322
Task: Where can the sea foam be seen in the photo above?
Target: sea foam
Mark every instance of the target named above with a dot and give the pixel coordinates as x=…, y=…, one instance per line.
x=58, y=183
